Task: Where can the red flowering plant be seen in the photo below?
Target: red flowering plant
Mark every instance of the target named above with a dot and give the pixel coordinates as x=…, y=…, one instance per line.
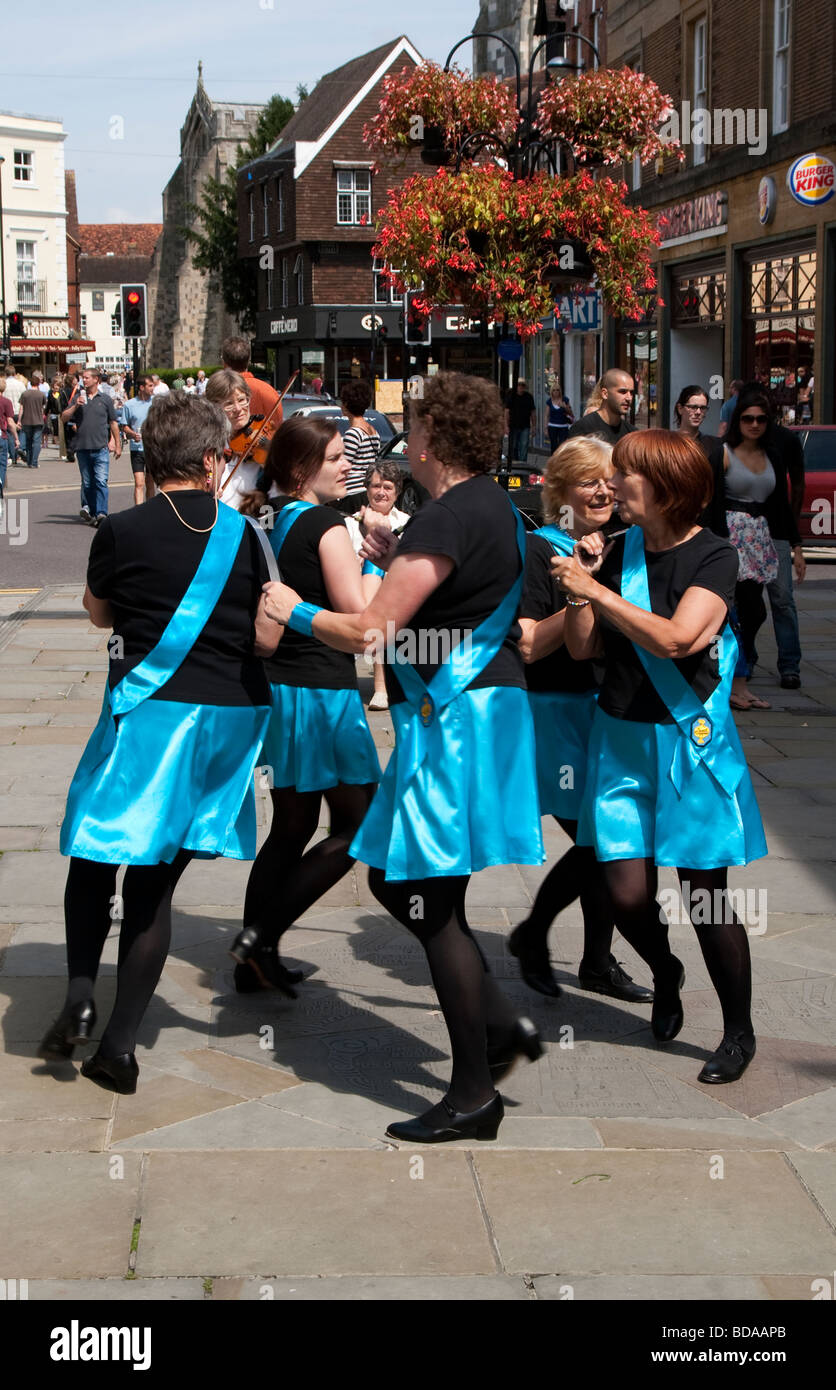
x=451, y=102
x=607, y=116
x=495, y=245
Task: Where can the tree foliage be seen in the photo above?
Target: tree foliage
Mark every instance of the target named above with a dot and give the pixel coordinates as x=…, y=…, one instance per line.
x=216, y=238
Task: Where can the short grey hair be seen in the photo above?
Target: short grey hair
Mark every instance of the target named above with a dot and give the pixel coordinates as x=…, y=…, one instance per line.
x=177, y=432
x=388, y=472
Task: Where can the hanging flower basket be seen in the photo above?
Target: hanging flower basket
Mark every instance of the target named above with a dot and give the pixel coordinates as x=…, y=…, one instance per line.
x=435, y=150
x=606, y=117
x=419, y=102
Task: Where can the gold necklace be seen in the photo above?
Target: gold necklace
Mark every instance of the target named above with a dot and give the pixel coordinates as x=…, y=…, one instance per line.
x=198, y=530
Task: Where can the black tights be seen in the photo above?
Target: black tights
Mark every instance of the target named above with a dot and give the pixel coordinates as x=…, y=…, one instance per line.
x=751, y=615
x=577, y=875
x=633, y=885
x=144, y=937
x=285, y=881
x=475, y=1010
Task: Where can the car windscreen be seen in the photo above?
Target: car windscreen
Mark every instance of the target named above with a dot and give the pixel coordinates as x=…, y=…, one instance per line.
x=820, y=451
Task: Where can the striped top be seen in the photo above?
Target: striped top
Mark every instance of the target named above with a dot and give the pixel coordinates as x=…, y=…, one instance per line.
x=361, y=449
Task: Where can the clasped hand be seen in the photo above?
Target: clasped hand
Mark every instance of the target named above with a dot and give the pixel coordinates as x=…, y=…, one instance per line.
x=574, y=572
x=279, y=601
x=379, y=546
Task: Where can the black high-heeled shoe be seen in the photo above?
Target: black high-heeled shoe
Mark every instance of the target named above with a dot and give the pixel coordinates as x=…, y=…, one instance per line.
x=534, y=965
x=245, y=944
x=667, y=1015
x=524, y=1041
x=74, y=1025
x=264, y=970
x=472, y=1124
x=113, y=1073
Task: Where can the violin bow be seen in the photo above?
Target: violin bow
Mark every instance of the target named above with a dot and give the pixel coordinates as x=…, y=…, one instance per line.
x=257, y=436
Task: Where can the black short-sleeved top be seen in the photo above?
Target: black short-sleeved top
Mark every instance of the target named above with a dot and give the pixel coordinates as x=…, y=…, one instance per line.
x=541, y=598
x=301, y=660
x=472, y=523
x=93, y=420
x=705, y=562
x=593, y=424
x=143, y=561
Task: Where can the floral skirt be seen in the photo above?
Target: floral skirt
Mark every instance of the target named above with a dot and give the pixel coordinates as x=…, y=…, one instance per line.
x=751, y=539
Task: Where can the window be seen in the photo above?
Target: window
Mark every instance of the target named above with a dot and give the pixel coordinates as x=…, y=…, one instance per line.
x=781, y=68
x=98, y=301
x=116, y=320
x=26, y=278
x=299, y=272
x=280, y=204
x=83, y=325
x=251, y=213
x=636, y=166
x=268, y=288
x=24, y=166
x=284, y=283
x=265, y=204
x=383, y=292
x=700, y=83
x=354, y=197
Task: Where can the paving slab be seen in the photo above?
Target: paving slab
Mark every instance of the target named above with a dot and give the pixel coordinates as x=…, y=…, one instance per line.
x=53, y=1136
x=817, y=1171
x=251, y=1125
x=782, y=1072
x=719, y=1135
x=670, y=1288
x=367, y=1289
x=811, y=1121
x=362, y=1213
x=161, y=1101
x=115, y=1290
x=552, y=1215
x=79, y=1214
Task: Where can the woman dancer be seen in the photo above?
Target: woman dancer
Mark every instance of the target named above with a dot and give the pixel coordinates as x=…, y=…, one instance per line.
x=667, y=782
x=318, y=743
x=383, y=485
x=168, y=771
x=460, y=789
x=561, y=693
x=757, y=511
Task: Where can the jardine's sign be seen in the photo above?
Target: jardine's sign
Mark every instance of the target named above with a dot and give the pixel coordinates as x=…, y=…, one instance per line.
x=703, y=214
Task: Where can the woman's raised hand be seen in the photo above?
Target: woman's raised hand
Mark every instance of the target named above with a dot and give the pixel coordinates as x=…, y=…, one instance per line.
x=379, y=546
x=280, y=601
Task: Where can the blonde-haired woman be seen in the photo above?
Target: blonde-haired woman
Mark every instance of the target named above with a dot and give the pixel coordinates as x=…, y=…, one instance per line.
x=596, y=399
x=562, y=693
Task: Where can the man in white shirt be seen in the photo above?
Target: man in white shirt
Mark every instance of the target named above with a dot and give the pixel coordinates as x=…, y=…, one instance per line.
x=15, y=387
x=200, y=384
x=160, y=388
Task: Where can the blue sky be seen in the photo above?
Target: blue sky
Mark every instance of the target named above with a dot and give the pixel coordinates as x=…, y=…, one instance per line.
x=98, y=67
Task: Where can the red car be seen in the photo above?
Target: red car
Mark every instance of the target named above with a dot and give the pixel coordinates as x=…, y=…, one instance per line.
x=818, y=512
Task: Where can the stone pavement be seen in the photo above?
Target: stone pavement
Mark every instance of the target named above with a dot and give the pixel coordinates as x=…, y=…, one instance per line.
x=253, y=1157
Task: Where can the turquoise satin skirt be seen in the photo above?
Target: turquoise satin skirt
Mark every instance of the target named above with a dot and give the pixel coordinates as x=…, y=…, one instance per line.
x=164, y=777
x=472, y=802
x=631, y=809
x=562, y=727
x=317, y=738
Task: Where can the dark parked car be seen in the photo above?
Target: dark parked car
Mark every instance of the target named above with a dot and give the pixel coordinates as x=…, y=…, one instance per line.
x=332, y=410
x=525, y=493
x=818, y=511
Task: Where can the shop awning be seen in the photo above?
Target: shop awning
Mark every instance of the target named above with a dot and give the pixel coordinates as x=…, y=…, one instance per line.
x=61, y=345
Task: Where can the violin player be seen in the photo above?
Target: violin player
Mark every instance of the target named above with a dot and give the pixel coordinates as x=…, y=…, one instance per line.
x=250, y=434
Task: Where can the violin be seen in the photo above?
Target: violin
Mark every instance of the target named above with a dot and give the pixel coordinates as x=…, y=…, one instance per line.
x=253, y=441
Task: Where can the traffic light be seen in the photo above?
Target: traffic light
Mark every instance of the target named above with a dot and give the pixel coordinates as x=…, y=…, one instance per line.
x=15, y=325
x=134, y=306
x=418, y=329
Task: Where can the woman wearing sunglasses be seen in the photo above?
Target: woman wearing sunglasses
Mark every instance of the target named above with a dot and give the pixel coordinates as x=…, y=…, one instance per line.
x=758, y=512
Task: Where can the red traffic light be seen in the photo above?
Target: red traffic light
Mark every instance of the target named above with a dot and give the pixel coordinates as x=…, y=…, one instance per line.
x=133, y=297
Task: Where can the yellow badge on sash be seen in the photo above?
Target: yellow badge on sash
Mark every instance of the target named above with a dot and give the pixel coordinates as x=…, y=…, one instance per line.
x=427, y=711
x=701, y=731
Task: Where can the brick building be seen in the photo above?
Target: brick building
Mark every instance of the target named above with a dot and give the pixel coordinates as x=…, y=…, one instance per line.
x=747, y=268
x=188, y=321
x=306, y=211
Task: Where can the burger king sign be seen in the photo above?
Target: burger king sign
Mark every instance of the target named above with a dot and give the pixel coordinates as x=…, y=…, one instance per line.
x=812, y=180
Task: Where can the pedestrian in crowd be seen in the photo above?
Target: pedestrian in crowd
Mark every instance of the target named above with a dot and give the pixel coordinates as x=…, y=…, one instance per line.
x=559, y=417
x=179, y=382
x=231, y=392
x=458, y=793
x=520, y=421
x=667, y=781
x=53, y=414
x=136, y=413
x=31, y=420
x=562, y=695
x=595, y=398
x=15, y=387
x=7, y=427
x=384, y=481
x=611, y=419
x=70, y=386
x=689, y=413
x=168, y=771
x=235, y=355
x=758, y=512
x=94, y=416
x=189, y=388
x=318, y=743
x=160, y=388
x=200, y=383
x=779, y=590
x=728, y=407
x=361, y=440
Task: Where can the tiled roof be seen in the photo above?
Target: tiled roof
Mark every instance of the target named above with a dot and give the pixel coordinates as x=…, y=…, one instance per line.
x=120, y=238
x=113, y=270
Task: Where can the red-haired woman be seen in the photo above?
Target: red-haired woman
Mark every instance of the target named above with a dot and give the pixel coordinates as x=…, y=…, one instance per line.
x=667, y=780
x=318, y=743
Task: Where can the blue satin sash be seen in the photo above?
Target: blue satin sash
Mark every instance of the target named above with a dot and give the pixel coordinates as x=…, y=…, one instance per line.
x=467, y=661
x=188, y=621
x=703, y=726
x=286, y=518
x=560, y=541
